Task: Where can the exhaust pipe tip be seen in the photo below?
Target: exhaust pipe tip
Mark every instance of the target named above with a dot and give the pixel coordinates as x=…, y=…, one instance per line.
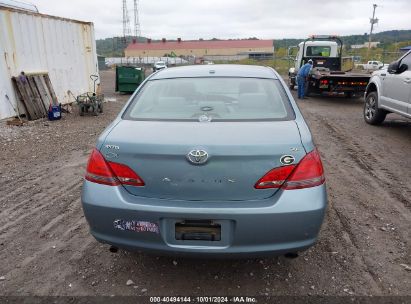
x=113, y=249
x=291, y=255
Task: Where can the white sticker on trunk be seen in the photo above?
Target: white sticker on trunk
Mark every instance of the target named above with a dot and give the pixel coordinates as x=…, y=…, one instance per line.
x=136, y=226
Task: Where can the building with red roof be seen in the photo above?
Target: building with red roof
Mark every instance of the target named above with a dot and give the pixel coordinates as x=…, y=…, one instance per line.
x=200, y=48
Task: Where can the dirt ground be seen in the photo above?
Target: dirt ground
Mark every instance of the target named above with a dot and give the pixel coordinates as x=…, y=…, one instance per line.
x=363, y=249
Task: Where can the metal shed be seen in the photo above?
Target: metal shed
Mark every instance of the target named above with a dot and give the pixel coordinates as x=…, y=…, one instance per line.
x=34, y=42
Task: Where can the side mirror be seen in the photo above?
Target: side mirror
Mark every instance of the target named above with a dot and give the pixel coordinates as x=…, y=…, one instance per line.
x=403, y=68
x=393, y=67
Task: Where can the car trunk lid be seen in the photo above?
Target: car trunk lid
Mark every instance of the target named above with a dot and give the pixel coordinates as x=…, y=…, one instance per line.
x=239, y=154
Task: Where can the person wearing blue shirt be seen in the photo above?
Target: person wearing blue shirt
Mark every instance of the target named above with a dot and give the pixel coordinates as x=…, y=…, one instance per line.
x=302, y=77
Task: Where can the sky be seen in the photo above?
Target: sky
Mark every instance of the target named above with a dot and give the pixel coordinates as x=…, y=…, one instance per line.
x=225, y=19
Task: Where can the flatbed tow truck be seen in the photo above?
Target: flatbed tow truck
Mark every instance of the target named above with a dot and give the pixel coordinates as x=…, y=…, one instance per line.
x=326, y=76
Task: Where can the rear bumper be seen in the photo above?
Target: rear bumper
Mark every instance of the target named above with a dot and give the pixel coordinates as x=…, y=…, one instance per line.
x=348, y=85
x=316, y=88
x=287, y=222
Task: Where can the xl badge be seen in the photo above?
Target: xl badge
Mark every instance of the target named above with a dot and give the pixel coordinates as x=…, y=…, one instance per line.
x=287, y=159
x=197, y=157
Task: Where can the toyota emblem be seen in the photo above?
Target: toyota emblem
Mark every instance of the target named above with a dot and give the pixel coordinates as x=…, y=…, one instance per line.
x=197, y=157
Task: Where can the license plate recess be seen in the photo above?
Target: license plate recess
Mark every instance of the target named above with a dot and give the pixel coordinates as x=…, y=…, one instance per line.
x=198, y=230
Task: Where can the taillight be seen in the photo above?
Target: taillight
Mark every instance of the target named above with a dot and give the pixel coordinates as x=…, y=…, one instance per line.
x=125, y=175
x=108, y=173
x=308, y=173
x=98, y=170
x=274, y=178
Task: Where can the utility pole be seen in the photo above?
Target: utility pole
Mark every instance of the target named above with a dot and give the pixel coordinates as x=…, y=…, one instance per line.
x=373, y=21
x=137, y=29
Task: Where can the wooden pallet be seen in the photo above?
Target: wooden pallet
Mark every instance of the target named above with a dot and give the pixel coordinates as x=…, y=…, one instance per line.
x=36, y=93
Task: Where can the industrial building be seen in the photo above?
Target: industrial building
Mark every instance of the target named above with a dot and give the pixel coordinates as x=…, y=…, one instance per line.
x=36, y=43
x=202, y=48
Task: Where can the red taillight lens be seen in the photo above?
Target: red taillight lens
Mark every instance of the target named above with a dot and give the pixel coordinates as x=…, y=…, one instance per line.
x=274, y=178
x=308, y=173
x=125, y=175
x=98, y=170
x=108, y=173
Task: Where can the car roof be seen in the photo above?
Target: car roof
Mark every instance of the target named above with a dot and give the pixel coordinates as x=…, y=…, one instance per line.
x=216, y=70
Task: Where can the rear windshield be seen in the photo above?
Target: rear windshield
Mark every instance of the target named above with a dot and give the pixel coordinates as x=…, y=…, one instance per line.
x=211, y=99
x=318, y=51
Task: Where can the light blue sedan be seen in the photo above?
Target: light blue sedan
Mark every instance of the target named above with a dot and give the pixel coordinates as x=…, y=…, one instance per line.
x=207, y=161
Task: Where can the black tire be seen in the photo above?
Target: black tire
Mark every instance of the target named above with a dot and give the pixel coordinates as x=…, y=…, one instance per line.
x=307, y=90
x=372, y=114
x=81, y=110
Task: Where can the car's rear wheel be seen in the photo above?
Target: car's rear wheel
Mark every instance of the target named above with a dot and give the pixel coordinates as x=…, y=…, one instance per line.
x=372, y=114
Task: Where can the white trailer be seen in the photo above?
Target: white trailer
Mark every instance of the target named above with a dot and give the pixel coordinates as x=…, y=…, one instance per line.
x=38, y=43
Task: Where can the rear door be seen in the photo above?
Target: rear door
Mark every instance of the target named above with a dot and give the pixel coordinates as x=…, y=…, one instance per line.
x=397, y=88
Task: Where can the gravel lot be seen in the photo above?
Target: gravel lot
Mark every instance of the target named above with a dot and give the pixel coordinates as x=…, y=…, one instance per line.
x=364, y=245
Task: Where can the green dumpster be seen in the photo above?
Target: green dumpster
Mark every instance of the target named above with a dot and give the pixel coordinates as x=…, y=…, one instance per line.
x=128, y=78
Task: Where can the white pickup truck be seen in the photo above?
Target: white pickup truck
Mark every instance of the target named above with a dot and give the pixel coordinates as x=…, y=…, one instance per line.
x=389, y=91
x=371, y=65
